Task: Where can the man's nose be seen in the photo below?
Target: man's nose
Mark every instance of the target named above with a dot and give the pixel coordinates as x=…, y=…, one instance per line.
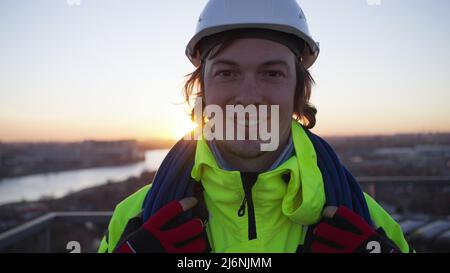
x=249, y=92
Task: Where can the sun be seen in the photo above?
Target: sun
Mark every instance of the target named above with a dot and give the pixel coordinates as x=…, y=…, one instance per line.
x=181, y=128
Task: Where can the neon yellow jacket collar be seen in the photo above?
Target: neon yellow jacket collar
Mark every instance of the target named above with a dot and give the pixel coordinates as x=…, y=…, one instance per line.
x=279, y=206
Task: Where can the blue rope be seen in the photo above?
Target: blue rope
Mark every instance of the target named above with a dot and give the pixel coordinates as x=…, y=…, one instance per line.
x=172, y=179
x=341, y=188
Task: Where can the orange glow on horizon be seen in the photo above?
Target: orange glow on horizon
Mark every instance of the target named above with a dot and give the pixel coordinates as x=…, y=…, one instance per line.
x=182, y=128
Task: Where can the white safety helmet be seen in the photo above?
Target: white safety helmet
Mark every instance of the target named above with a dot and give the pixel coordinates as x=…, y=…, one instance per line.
x=278, y=15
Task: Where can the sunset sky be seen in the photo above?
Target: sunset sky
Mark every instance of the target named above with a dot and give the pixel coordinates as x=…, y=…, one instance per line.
x=114, y=69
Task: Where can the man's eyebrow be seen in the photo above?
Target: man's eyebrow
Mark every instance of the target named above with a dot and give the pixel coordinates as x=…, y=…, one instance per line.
x=226, y=62
x=275, y=62
x=232, y=63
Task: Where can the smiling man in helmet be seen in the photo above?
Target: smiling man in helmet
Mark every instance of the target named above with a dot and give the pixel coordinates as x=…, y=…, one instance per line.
x=229, y=195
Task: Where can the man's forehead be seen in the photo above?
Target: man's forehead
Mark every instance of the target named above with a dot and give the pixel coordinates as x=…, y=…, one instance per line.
x=254, y=51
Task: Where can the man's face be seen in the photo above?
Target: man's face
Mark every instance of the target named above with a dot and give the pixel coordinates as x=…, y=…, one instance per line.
x=252, y=72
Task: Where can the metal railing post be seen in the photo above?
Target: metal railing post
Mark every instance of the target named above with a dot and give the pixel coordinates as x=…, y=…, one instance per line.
x=44, y=240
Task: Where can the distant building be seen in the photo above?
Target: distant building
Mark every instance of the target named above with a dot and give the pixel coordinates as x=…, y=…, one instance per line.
x=29, y=158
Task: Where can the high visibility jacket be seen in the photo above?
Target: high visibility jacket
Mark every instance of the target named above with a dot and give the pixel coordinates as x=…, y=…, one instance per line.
x=282, y=210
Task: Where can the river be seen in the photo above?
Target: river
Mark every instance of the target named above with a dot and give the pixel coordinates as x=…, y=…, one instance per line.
x=58, y=184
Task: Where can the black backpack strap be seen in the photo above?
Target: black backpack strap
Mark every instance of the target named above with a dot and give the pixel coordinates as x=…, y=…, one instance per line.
x=306, y=246
x=201, y=211
x=133, y=225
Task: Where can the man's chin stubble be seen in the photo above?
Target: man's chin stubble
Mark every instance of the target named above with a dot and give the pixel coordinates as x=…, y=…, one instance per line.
x=236, y=151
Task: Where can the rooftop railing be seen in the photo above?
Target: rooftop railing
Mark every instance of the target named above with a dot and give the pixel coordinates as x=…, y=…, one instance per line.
x=41, y=226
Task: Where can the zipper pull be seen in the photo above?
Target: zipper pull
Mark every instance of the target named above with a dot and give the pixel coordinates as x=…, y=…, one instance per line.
x=241, y=211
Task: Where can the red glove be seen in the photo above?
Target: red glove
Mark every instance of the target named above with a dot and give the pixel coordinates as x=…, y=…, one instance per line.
x=152, y=236
x=343, y=231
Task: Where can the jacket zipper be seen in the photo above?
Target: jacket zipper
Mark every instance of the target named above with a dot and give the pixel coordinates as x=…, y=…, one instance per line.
x=248, y=180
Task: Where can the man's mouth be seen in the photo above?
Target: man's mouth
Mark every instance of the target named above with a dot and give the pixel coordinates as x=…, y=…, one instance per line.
x=253, y=121
x=247, y=122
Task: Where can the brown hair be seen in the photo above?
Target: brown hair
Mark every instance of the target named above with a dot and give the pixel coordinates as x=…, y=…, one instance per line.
x=304, y=111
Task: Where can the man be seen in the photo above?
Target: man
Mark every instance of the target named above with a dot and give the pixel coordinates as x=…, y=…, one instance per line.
x=227, y=194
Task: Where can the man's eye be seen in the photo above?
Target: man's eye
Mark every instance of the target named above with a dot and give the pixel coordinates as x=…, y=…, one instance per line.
x=274, y=74
x=225, y=73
